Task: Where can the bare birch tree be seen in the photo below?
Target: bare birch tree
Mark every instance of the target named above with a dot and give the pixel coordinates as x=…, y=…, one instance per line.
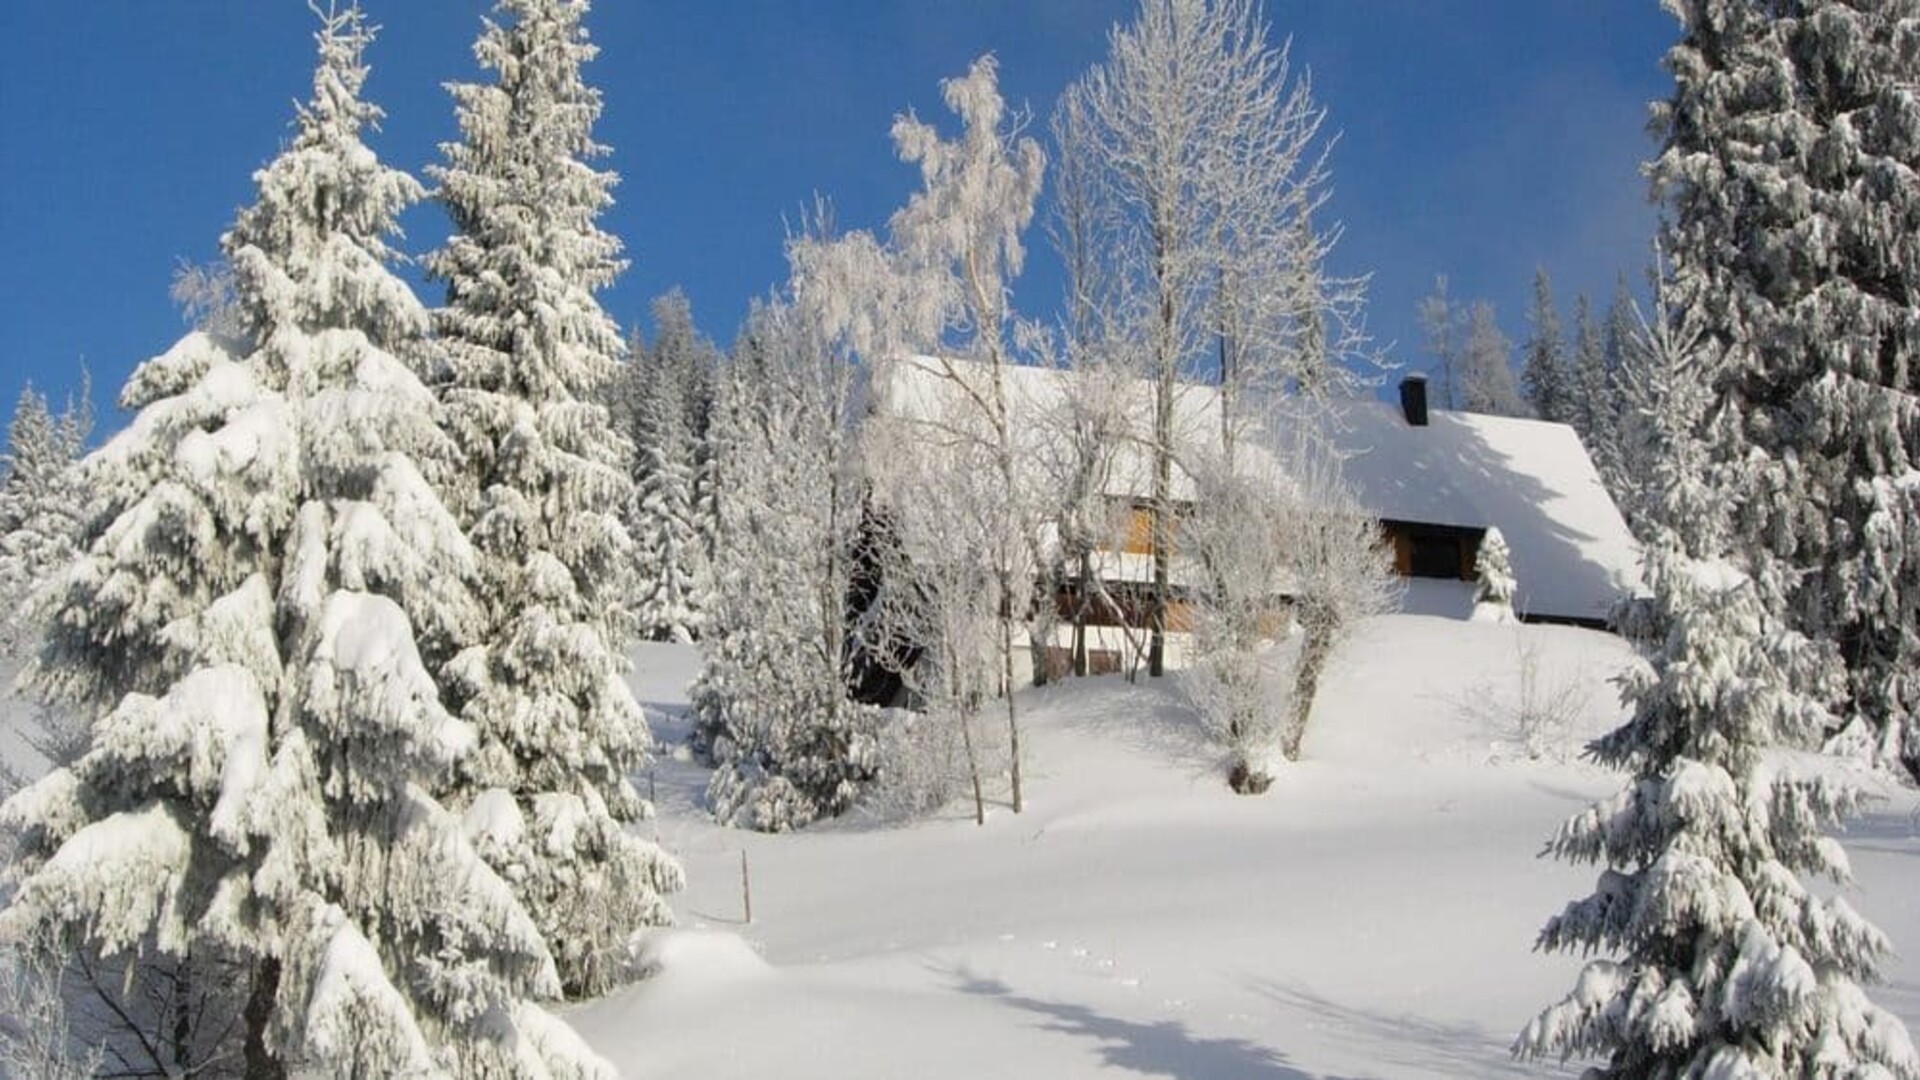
x=956, y=244
x=1194, y=165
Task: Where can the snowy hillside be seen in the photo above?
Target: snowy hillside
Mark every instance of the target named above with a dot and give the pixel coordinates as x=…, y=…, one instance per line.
x=1372, y=916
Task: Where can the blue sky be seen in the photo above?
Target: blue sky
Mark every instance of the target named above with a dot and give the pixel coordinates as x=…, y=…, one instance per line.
x=1479, y=138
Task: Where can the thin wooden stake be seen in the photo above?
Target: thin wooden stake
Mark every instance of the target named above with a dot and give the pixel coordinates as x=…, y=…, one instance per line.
x=746, y=888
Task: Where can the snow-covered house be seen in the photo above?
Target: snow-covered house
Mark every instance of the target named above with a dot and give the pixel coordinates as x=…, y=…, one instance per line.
x=1437, y=480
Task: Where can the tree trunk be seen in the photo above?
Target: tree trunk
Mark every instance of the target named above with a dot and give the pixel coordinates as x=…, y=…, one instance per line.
x=1228, y=375
x=183, y=1012
x=1043, y=621
x=1082, y=601
x=963, y=713
x=1013, y=717
x=1315, y=651
x=1162, y=514
x=261, y=1063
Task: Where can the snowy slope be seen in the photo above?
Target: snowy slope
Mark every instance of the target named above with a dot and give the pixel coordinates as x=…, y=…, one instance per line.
x=1372, y=916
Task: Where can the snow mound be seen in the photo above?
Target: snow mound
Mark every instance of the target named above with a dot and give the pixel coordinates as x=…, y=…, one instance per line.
x=678, y=959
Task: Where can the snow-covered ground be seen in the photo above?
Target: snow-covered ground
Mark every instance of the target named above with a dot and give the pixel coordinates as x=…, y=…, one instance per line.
x=20, y=730
x=1372, y=916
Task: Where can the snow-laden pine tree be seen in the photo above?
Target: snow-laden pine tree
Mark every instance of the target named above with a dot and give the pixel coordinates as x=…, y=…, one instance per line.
x=663, y=401
x=1544, y=376
x=1440, y=334
x=43, y=505
x=42, y=499
x=1619, y=346
x=771, y=704
x=1793, y=227
x=1494, y=584
x=1484, y=369
x=1595, y=394
x=548, y=791
x=1722, y=961
x=263, y=590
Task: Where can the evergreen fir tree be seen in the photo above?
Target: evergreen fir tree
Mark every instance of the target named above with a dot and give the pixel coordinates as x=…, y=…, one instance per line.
x=772, y=704
x=1545, y=376
x=1595, y=401
x=41, y=500
x=254, y=615
x=1793, y=227
x=548, y=790
x=665, y=394
x=1623, y=357
x=1728, y=965
x=1484, y=370
x=1494, y=584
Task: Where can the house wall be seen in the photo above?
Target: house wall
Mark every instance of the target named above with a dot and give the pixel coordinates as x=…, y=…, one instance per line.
x=1110, y=650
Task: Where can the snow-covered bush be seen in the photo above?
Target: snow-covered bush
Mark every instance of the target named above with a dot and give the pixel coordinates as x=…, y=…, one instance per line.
x=1278, y=546
x=1241, y=674
x=1341, y=566
x=930, y=757
x=1494, y=584
x=1539, y=704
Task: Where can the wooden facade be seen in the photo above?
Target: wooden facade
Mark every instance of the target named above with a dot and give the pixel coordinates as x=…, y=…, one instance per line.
x=1138, y=537
x=1420, y=550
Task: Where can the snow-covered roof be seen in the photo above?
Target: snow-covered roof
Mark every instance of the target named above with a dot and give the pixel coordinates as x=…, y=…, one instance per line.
x=933, y=391
x=1571, y=550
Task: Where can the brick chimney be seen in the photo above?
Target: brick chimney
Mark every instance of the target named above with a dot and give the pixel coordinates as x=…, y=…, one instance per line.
x=1413, y=399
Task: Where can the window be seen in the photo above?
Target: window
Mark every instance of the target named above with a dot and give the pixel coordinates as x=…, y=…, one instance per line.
x=1435, y=556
